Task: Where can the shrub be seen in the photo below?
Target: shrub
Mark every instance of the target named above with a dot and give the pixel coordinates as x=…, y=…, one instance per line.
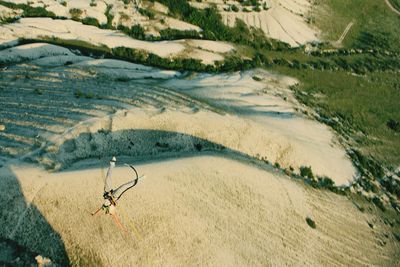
x=378, y=202
x=257, y=9
x=311, y=223
x=75, y=13
x=91, y=21
x=326, y=182
x=89, y=95
x=136, y=31
x=78, y=93
x=173, y=34
x=198, y=146
x=124, y=16
x=306, y=172
x=146, y=12
x=394, y=125
x=234, y=8
x=109, y=16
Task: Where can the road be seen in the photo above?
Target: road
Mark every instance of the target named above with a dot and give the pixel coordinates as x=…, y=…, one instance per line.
x=392, y=7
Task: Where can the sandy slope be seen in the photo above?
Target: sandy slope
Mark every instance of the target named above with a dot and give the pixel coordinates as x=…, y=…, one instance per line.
x=205, y=210
x=260, y=119
x=36, y=28
x=208, y=198
x=126, y=14
x=285, y=20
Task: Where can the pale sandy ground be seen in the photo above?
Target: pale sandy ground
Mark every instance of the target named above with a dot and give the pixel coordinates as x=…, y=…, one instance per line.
x=36, y=28
x=206, y=200
x=6, y=13
x=124, y=14
x=232, y=110
x=200, y=211
x=285, y=20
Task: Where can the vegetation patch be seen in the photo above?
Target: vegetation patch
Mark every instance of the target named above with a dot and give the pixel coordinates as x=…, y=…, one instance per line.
x=76, y=13
x=91, y=21
x=29, y=11
x=395, y=4
x=306, y=172
x=371, y=19
x=311, y=223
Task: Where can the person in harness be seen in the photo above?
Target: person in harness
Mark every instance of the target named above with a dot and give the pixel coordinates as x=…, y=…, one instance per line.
x=111, y=196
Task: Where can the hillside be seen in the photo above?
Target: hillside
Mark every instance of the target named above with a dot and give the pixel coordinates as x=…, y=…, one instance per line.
x=268, y=132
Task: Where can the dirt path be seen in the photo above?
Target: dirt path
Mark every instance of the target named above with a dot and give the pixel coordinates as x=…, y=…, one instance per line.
x=345, y=32
x=392, y=7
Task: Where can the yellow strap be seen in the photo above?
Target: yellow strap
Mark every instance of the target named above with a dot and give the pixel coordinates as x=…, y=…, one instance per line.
x=131, y=224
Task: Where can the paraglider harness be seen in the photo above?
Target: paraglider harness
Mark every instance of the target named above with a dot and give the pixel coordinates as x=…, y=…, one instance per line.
x=109, y=195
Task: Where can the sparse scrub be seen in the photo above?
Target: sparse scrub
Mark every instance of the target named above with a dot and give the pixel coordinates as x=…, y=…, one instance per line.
x=75, y=13
x=136, y=31
x=28, y=10
x=91, y=21
x=147, y=12
x=78, y=93
x=110, y=18
x=38, y=91
x=378, y=202
x=306, y=172
x=394, y=125
x=173, y=34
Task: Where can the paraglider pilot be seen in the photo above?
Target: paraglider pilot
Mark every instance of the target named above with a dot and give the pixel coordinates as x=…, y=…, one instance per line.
x=111, y=196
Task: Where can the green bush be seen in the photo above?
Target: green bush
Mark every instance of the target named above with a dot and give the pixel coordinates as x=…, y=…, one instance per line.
x=394, y=125
x=173, y=34
x=78, y=93
x=311, y=223
x=29, y=11
x=136, y=31
x=234, y=8
x=109, y=16
x=75, y=13
x=38, y=91
x=306, y=172
x=378, y=202
x=91, y=21
x=147, y=12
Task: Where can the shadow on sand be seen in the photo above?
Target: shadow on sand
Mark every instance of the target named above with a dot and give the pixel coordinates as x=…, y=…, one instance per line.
x=24, y=232
x=139, y=144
